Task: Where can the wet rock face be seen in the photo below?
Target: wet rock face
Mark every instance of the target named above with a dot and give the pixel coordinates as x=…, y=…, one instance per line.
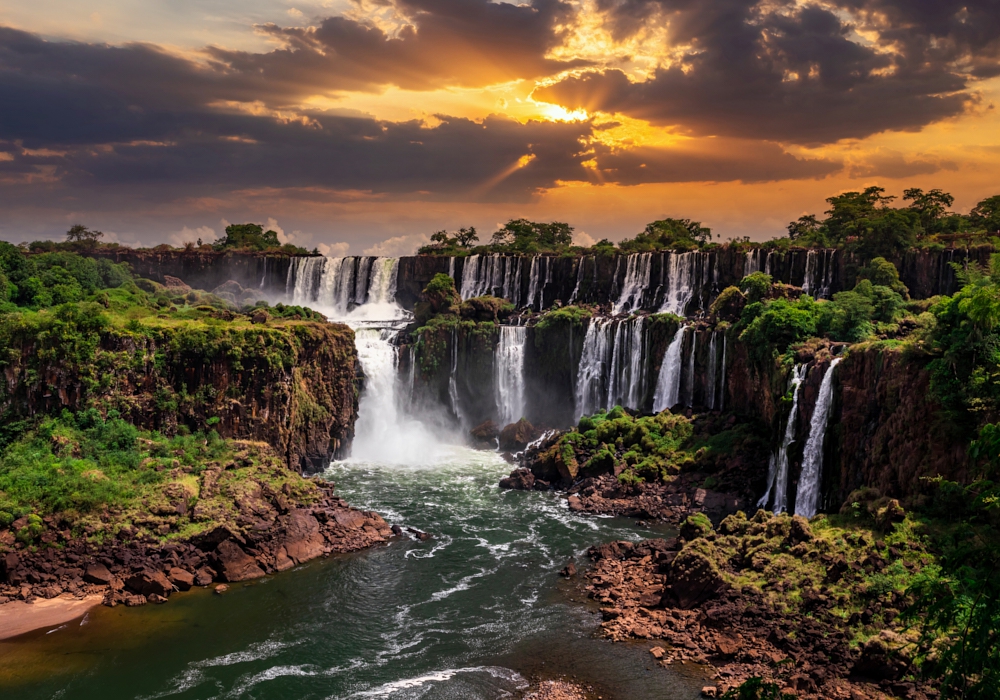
x=293, y=386
x=266, y=272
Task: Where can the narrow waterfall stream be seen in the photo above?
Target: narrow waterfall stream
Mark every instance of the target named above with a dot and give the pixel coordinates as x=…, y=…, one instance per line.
x=509, y=380
x=807, y=496
x=777, y=474
x=668, y=383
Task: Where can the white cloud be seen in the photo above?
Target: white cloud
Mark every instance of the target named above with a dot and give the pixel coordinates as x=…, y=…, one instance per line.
x=582, y=238
x=272, y=225
x=399, y=245
x=190, y=235
x=333, y=250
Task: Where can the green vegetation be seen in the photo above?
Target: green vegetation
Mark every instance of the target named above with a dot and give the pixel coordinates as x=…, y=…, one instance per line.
x=770, y=322
x=636, y=449
x=254, y=237
x=757, y=689
x=668, y=234
x=93, y=476
x=442, y=318
x=866, y=223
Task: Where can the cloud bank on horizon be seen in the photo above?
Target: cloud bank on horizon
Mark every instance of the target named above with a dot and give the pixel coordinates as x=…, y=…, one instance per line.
x=387, y=120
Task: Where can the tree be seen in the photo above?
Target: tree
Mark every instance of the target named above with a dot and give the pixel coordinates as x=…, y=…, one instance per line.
x=669, y=233
x=986, y=215
x=249, y=236
x=931, y=207
x=848, y=211
x=466, y=236
x=803, y=227
x=78, y=233
x=523, y=236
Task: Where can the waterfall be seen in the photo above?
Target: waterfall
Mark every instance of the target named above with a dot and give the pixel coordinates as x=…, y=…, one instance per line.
x=807, y=496
x=456, y=407
x=509, y=369
x=383, y=432
x=590, y=375
x=751, y=261
x=263, y=277
x=495, y=274
x=362, y=287
x=668, y=384
x=722, y=383
x=637, y=366
x=810, y=272
x=582, y=263
x=626, y=376
x=689, y=379
x=637, y=272
x=533, y=282
x=713, y=357
x=451, y=268
x=681, y=270
x=777, y=474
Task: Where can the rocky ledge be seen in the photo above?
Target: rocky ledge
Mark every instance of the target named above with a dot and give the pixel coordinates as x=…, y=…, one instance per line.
x=251, y=517
x=769, y=597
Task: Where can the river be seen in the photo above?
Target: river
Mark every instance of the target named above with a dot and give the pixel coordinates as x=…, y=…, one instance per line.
x=470, y=613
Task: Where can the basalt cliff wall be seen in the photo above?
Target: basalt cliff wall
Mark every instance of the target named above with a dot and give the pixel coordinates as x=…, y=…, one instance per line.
x=206, y=270
x=545, y=281
x=293, y=385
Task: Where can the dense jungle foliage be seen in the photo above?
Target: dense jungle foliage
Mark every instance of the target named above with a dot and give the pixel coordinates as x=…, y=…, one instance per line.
x=865, y=223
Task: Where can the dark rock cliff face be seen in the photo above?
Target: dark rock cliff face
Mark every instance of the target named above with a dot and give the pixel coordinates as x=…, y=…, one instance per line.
x=293, y=386
x=540, y=282
x=886, y=427
x=206, y=270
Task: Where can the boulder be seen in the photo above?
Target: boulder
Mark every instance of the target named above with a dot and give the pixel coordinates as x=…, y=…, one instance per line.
x=230, y=288
x=97, y=573
x=234, y=564
x=519, y=479
x=878, y=663
x=351, y=519
x=175, y=284
x=204, y=576
x=693, y=577
x=148, y=581
x=484, y=435
x=181, y=578
x=516, y=436
x=301, y=538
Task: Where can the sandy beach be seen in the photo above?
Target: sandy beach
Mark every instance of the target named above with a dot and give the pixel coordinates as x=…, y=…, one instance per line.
x=18, y=617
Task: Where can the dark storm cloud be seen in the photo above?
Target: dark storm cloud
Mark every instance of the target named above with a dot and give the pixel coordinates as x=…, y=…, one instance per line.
x=782, y=72
x=709, y=160
x=91, y=122
x=447, y=42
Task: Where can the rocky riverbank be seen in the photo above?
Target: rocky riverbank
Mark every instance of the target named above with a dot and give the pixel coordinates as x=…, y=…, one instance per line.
x=813, y=607
x=250, y=517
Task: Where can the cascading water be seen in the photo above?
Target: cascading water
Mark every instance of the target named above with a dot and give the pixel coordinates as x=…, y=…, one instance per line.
x=509, y=368
x=722, y=382
x=680, y=272
x=807, y=496
x=637, y=274
x=344, y=288
x=777, y=473
x=626, y=381
x=710, y=374
x=492, y=274
x=581, y=265
x=689, y=379
x=668, y=383
x=533, y=281
x=590, y=376
x=456, y=404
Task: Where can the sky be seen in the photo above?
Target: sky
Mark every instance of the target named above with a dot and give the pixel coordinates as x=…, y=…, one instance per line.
x=363, y=126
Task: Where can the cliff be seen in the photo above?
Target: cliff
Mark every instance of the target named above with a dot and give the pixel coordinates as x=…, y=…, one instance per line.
x=291, y=384
x=201, y=269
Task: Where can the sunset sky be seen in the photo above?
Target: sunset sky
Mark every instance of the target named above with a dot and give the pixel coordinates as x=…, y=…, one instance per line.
x=363, y=127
